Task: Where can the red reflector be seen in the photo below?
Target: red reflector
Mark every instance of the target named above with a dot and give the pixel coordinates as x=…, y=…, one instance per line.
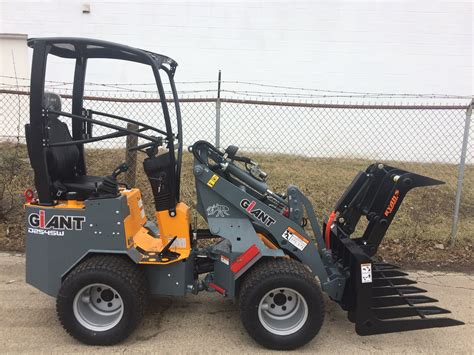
x=244, y=258
x=29, y=195
x=327, y=232
x=217, y=288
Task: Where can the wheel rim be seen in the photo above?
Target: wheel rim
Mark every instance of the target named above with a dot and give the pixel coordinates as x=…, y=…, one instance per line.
x=98, y=307
x=283, y=311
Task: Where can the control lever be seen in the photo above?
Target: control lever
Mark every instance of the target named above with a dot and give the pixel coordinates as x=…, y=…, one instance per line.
x=231, y=152
x=120, y=169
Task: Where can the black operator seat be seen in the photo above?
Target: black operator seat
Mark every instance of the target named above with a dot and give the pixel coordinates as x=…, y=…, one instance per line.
x=62, y=161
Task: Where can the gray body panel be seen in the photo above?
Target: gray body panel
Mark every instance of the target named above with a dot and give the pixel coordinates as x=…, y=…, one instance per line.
x=236, y=226
x=51, y=257
x=173, y=279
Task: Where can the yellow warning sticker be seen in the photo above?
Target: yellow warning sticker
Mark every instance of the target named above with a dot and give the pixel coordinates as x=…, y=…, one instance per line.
x=212, y=181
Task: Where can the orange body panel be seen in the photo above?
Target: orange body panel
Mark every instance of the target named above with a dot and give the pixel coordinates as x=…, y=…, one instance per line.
x=139, y=236
x=137, y=218
x=147, y=242
x=61, y=204
x=177, y=226
x=266, y=241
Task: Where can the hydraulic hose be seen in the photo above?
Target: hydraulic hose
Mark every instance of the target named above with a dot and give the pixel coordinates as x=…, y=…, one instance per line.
x=231, y=168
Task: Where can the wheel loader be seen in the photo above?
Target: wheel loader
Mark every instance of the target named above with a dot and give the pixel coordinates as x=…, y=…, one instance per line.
x=90, y=244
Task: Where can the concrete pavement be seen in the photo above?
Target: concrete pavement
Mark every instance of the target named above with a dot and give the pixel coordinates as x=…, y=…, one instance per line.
x=207, y=323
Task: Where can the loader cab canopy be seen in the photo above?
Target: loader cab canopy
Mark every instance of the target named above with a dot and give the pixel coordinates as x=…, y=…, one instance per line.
x=75, y=48
x=57, y=152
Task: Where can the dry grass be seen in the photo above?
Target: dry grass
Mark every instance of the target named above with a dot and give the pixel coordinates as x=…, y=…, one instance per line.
x=424, y=219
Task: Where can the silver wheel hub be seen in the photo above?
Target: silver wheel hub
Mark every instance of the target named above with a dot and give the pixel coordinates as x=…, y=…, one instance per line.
x=283, y=311
x=98, y=307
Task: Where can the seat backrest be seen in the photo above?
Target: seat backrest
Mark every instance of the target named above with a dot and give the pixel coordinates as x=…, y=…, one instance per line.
x=61, y=161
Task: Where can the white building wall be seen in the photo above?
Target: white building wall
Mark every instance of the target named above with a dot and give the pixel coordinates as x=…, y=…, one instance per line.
x=14, y=63
x=13, y=57
x=382, y=46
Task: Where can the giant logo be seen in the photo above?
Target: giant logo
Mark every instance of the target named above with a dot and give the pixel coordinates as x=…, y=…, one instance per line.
x=263, y=217
x=55, y=225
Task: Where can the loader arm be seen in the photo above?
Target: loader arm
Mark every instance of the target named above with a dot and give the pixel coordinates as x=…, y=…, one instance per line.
x=378, y=296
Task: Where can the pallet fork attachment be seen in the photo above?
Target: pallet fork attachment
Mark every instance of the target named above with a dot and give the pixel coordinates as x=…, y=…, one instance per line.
x=378, y=296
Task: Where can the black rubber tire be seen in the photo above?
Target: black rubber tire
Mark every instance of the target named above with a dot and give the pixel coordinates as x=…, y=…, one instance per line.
x=274, y=273
x=117, y=272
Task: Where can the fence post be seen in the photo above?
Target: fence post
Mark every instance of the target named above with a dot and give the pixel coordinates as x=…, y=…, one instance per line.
x=218, y=112
x=462, y=164
x=131, y=157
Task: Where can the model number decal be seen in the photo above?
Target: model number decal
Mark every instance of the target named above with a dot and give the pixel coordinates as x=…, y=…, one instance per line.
x=295, y=238
x=263, y=217
x=54, y=224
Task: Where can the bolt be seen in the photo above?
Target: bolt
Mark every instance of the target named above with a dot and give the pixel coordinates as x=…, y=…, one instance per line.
x=380, y=166
x=118, y=222
x=197, y=170
x=117, y=212
x=341, y=219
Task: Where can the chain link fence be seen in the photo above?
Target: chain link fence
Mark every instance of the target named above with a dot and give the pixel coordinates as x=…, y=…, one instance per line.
x=431, y=137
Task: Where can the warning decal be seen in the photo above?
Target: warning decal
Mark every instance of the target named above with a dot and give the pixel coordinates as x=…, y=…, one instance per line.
x=225, y=260
x=295, y=238
x=212, y=181
x=366, y=273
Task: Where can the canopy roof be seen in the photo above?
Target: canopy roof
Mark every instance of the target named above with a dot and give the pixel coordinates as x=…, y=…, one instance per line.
x=72, y=47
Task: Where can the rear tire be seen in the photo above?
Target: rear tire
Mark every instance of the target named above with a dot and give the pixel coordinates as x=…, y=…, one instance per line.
x=102, y=300
x=281, y=305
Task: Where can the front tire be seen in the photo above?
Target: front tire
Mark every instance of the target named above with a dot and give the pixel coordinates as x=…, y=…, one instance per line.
x=102, y=300
x=281, y=305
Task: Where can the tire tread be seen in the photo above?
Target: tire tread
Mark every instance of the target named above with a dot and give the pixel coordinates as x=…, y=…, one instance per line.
x=119, y=266
x=277, y=268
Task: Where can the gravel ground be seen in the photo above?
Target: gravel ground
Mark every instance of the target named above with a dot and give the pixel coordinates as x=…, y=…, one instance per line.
x=208, y=323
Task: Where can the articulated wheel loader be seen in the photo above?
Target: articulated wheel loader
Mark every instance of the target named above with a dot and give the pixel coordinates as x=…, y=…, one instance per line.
x=90, y=244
